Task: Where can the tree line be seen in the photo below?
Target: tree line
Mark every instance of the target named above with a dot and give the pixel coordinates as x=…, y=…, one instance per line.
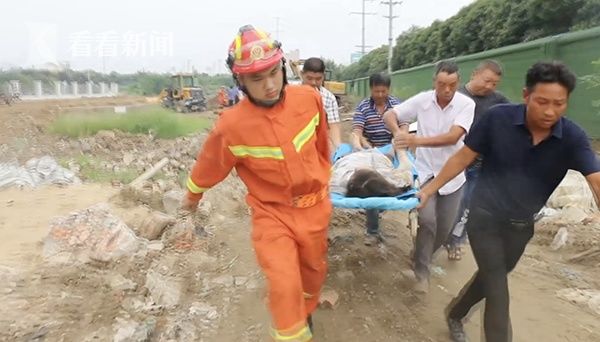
x=483, y=25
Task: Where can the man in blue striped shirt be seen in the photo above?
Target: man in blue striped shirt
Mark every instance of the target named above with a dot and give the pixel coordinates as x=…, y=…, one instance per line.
x=369, y=130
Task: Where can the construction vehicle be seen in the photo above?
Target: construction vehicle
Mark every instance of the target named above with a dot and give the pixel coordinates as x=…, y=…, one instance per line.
x=338, y=89
x=184, y=95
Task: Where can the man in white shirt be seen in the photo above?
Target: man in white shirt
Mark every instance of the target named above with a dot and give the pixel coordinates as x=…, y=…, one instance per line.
x=313, y=74
x=443, y=118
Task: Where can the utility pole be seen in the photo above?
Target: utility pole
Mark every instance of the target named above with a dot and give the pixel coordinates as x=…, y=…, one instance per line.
x=363, y=14
x=390, y=18
x=277, y=28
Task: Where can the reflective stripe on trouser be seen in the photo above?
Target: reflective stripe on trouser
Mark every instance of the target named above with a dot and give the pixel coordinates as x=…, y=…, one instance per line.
x=291, y=248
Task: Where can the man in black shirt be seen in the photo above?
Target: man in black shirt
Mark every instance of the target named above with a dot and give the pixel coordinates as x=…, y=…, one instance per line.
x=527, y=150
x=482, y=89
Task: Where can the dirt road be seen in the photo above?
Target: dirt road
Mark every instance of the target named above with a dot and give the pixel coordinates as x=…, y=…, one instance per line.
x=216, y=292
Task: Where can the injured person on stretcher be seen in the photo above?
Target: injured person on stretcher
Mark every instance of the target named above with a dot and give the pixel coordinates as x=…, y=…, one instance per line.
x=371, y=173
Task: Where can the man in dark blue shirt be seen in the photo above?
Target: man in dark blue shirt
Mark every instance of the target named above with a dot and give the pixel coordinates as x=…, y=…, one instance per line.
x=527, y=150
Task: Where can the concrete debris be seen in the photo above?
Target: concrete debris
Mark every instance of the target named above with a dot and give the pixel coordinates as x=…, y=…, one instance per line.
x=172, y=201
x=203, y=309
x=156, y=246
x=573, y=215
x=135, y=305
x=90, y=234
x=253, y=284
x=224, y=280
x=560, y=239
x=240, y=281
x=165, y=290
x=181, y=329
x=105, y=135
x=583, y=297
x=120, y=283
x=128, y=158
x=153, y=225
x=329, y=298
x=127, y=330
x=36, y=172
x=573, y=191
x=205, y=208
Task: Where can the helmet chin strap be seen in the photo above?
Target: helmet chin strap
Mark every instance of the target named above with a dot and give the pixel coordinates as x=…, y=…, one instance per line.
x=263, y=103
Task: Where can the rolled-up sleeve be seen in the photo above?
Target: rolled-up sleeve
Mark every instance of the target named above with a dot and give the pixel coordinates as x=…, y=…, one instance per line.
x=465, y=116
x=478, y=138
x=330, y=105
x=583, y=158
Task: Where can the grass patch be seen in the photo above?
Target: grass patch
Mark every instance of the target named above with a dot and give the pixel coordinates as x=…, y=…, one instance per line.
x=163, y=123
x=93, y=170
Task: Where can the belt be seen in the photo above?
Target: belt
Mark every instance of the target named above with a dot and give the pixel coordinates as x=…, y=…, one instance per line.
x=310, y=200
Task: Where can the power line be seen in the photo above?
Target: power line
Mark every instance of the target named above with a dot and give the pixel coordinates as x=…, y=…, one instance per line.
x=390, y=17
x=363, y=14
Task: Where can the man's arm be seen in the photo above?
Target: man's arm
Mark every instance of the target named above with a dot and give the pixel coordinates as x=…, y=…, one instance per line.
x=214, y=162
x=335, y=133
x=356, y=138
x=323, y=131
x=447, y=139
x=400, y=116
x=455, y=165
x=391, y=122
x=460, y=127
x=333, y=118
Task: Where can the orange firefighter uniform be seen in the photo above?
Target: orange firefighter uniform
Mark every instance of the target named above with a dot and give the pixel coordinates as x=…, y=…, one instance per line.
x=282, y=155
x=223, y=97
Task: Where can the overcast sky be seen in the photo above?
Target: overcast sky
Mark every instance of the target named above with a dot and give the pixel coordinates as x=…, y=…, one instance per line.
x=132, y=35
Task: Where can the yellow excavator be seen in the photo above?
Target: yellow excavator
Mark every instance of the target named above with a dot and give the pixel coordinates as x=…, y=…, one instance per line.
x=184, y=94
x=338, y=89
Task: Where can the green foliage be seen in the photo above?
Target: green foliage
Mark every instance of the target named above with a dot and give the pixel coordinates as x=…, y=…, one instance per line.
x=483, y=25
x=163, y=123
x=93, y=170
x=592, y=81
x=375, y=61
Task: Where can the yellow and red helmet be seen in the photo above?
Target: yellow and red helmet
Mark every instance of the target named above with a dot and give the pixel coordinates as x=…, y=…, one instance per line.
x=252, y=51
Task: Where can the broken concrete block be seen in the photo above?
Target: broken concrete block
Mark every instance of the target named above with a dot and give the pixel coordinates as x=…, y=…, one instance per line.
x=240, y=281
x=165, y=290
x=225, y=280
x=90, y=234
x=127, y=330
x=172, y=201
x=120, y=283
x=329, y=298
x=153, y=225
x=560, y=239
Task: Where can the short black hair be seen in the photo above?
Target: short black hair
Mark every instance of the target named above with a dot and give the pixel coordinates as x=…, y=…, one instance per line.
x=489, y=64
x=448, y=67
x=379, y=79
x=314, y=64
x=550, y=72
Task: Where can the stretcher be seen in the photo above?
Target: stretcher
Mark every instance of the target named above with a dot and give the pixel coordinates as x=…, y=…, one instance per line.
x=404, y=202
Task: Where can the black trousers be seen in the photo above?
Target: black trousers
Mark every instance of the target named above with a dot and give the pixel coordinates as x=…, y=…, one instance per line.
x=497, y=246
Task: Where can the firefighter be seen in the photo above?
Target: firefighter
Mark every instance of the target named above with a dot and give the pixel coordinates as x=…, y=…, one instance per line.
x=276, y=138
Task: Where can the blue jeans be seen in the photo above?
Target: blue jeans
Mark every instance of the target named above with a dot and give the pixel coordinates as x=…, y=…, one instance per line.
x=459, y=233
